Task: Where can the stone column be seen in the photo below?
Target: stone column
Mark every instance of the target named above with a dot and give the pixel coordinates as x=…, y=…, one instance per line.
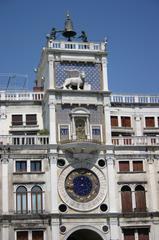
x=105, y=74
x=52, y=121
x=5, y=231
x=55, y=229
x=4, y=194
x=138, y=127
x=152, y=184
x=51, y=83
x=53, y=182
x=108, y=138
x=73, y=128
x=112, y=189
x=114, y=229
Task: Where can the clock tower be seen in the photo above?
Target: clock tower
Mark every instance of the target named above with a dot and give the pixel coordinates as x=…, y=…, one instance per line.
x=73, y=74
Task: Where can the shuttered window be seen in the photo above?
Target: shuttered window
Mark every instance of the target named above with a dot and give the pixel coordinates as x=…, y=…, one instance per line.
x=114, y=121
x=17, y=120
x=143, y=234
x=150, y=122
x=137, y=166
x=125, y=121
x=37, y=235
x=129, y=234
x=31, y=119
x=126, y=199
x=124, y=166
x=140, y=199
x=23, y=235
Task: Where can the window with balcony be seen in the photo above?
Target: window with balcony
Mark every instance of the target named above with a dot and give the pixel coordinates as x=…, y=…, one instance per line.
x=36, y=199
x=124, y=166
x=125, y=121
x=140, y=198
x=149, y=122
x=114, y=121
x=31, y=119
x=137, y=166
x=21, y=200
x=35, y=166
x=139, y=234
x=17, y=120
x=21, y=166
x=126, y=199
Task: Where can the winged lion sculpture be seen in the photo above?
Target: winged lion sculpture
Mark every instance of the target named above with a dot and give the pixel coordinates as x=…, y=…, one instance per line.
x=75, y=80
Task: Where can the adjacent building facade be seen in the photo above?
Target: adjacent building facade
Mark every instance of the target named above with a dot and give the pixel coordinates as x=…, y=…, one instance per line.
x=78, y=162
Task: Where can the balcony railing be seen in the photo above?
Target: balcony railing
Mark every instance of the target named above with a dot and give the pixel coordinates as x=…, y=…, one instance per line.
x=78, y=46
x=130, y=99
x=21, y=96
x=135, y=141
x=23, y=140
x=44, y=140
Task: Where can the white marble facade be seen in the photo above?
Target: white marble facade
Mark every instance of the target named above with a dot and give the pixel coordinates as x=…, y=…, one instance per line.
x=78, y=163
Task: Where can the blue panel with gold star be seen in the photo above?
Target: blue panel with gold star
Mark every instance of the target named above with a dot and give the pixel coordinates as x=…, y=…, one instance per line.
x=92, y=73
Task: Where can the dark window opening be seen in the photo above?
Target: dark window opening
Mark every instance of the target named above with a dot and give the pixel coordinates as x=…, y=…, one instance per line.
x=137, y=166
x=150, y=122
x=124, y=166
x=140, y=198
x=126, y=199
x=22, y=235
x=114, y=121
x=31, y=119
x=125, y=121
x=17, y=120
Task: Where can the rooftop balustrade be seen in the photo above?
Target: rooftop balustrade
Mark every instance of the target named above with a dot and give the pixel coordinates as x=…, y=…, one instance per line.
x=131, y=99
x=78, y=46
x=21, y=96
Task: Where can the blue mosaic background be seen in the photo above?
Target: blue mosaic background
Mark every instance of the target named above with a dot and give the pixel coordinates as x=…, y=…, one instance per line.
x=92, y=72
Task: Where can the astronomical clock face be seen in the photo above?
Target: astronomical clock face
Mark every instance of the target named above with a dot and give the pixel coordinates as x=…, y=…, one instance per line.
x=82, y=185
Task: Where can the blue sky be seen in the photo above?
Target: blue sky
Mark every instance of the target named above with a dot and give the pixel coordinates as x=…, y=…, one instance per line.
x=131, y=26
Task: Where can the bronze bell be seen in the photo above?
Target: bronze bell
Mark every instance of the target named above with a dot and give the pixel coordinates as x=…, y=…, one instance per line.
x=68, y=32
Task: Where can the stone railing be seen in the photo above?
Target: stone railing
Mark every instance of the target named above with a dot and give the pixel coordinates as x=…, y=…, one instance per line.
x=135, y=141
x=21, y=96
x=78, y=46
x=128, y=99
x=24, y=140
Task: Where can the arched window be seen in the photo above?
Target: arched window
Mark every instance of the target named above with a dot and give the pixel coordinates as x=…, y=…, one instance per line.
x=36, y=199
x=126, y=199
x=140, y=199
x=21, y=199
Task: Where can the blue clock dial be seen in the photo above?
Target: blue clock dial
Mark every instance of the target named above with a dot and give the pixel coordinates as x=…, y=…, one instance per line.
x=82, y=185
